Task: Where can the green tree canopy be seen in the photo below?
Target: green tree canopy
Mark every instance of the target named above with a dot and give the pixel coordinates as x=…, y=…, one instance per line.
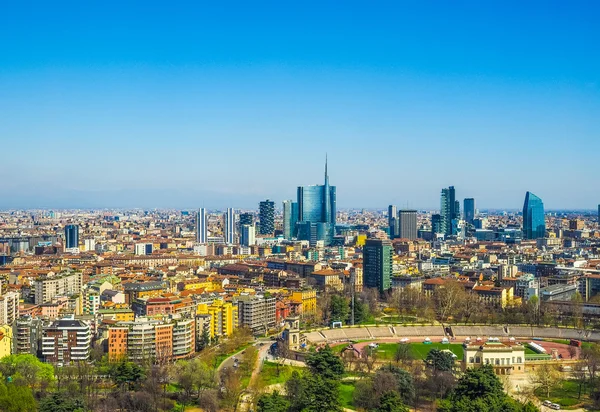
x=325, y=363
x=273, y=403
x=440, y=360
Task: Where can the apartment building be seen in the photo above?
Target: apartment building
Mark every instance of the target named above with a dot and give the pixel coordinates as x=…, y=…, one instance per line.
x=256, y=312
x=27, y=335
x=160, y=340
x=219, y=317
x=64, y=284
x=66, y=340
x=9, y=308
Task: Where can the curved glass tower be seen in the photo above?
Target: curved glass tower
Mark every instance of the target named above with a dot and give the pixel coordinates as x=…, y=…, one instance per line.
x=534, y=223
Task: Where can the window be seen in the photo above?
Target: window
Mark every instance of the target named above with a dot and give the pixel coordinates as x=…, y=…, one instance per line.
x=471, y=360
x=477, y=359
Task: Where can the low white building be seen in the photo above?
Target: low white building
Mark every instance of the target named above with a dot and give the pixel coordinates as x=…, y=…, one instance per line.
x=506, y=358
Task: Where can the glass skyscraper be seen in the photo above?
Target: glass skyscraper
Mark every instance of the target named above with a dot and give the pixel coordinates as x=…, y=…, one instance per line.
x=378, y=264
x=316, y=212
x=393, y=221
x=71, y=236
x=407, y=224
x=469, y=206
x=290, y=218
x=534, y=222
x=449, y=210
x=229, y=229
x=201, y=227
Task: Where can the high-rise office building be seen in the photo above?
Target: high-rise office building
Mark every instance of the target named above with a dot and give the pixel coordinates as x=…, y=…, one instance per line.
x=436, y=224
x=317, y=212
x=246, y=219
x=267, y=217
x=534, y=221
x=469, y=210
x=407, y=224
x=201, y=227
x=393, y=221
x=290, y=218
x=71, y=236
x=378, y=264
x=229, y=226
x=248, y=235
x=449, y=209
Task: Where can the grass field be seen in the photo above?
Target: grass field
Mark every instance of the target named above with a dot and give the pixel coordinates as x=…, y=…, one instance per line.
x=565, y=395
x=386, y=351
x=347, y=394
x=268, y=375
x=529, y=351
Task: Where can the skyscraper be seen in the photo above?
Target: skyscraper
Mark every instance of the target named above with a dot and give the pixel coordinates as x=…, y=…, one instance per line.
x=317, y=212
x=407, y=224
x=229, y=226
x=449, y=209
x=267, y=217
x=201, y=227
x=534, y=222
x=469, y=210
x=436, y=224
x=246, y=219
x=71, y=236
x=378, y=264
x=393, y=221
x=290, y=217
x=248, y=235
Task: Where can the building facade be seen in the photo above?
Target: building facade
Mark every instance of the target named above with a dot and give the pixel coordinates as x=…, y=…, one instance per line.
x=229, y=227
x=469, y=210
x=290, y=218
x=66, y=340
x=378, y=264
x=266, y=210
x=407, y=224
x=63, y=284
x=534, y=223
x=393, y=221
x=201, y=226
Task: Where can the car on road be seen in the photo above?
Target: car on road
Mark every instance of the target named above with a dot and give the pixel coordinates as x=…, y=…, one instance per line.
x=546, y=403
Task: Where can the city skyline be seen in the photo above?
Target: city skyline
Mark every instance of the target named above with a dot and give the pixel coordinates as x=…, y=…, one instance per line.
x=84, y=124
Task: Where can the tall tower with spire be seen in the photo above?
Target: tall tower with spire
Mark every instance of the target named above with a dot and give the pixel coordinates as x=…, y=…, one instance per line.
x=317, y=211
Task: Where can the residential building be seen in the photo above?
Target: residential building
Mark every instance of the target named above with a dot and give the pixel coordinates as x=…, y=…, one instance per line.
x=328, y=279
x=220, y=317
x=534, y=223
x=201, y=226
x=47, y=287
x=6, y=338
x=9, y=308
x=436, y=224
x=449, y=210
x=246, y=219
x=66, y=340
x=27, y=333
x=267, y=217
x=378, y=264
x=407, y=224
x=256, y=312
x=560, y=292
x=307, y=299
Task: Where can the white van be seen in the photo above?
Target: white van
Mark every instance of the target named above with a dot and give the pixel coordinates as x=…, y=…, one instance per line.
x=546, y=403
x=555, y=406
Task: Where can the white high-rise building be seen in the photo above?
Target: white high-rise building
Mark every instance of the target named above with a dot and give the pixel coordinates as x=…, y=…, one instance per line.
x=248, y=235
x=201, y=226
x=230, y=226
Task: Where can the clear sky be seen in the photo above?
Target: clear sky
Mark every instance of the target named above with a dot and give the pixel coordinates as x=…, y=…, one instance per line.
x=123, y=104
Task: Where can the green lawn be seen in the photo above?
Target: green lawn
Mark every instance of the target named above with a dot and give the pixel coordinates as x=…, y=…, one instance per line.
x=268, y=375
x=421, y=350
x=565, y=395
x=347, y=394
x=221, y=358
x=529, y=351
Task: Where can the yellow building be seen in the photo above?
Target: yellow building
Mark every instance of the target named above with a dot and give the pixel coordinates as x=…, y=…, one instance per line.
x=198, y=284
x=308, y=299
x=6, y=337
x=223, y=317
x=361, y=240
x=120, y=315
x=497, y=296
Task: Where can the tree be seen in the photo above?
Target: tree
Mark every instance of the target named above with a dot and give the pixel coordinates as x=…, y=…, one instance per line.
x=580, y=376
x=232, y=387
x=338, y=309
x=545, y=377
x=57, y=402
x=312, y=393
x=403, y=354
x=127, y=374
x=363, y=395
x=448, y=298
x=204, y=340
x=440, y=360
x=15, y=398
x=27, y=370
x=325, y=363
x=480, y=390
x=273, y=403
x=404, y=382
x=391, y=402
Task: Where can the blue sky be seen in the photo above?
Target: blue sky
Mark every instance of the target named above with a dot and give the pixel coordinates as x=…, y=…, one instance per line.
x=104, y=104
